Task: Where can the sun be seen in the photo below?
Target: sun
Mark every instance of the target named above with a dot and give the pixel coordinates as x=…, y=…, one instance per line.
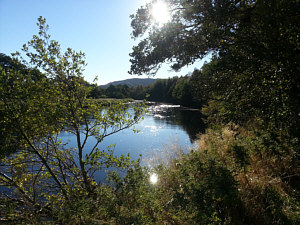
x=153, y=178
x=160, y=12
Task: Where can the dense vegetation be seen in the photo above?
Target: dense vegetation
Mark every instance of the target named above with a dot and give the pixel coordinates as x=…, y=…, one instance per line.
x=36, y=107
x=133, y=82
x=176, y=90
x=246, y=169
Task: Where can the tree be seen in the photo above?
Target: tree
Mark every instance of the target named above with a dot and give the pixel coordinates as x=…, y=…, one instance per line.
x=196, y=29
x=9, y=67
x=182, y=92
x=96, y=92
x=158, y=91
x=255, y=48
x=36, y=107
x=138, y=92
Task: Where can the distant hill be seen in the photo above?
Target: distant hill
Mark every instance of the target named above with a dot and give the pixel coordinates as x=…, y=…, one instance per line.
x=131, y=82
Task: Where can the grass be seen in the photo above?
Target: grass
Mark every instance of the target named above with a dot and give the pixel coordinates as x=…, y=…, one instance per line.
x=235, y=176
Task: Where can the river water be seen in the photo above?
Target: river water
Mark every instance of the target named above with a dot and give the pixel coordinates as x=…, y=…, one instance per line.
x=165, y=128
x=165, y=131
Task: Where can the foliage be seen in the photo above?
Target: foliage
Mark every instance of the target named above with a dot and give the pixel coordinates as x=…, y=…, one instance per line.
x=117, y=92
x=36, y=108
x=132, y=82
x=176, y=90
x=254, y=46
x=268, y=180
x=251, y=83
x=234, y=177
x=128, y=200
x=244, y=171
x=110, y=101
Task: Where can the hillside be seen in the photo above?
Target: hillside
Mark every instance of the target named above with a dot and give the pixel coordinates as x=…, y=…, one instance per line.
x=133, y=82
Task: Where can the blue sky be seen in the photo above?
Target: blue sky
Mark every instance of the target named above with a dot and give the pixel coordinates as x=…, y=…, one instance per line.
x=99, y=28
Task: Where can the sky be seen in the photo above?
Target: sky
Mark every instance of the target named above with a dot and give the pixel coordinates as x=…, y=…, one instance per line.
x=99, y=28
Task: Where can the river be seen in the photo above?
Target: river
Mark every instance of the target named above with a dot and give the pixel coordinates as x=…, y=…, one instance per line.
x=165, y=128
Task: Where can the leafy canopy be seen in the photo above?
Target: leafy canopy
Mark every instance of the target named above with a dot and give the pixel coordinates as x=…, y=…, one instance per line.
x=40, y=99
x=255, y=49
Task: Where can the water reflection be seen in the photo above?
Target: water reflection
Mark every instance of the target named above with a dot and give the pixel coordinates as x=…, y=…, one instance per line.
x=190, y=120
x=163, y=126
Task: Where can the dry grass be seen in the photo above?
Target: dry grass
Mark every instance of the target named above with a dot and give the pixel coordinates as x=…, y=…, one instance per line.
x=165, y=155
x=263, y=172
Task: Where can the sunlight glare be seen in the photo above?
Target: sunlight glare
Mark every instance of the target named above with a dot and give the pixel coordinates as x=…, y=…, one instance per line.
x=160, y=12
x=153, y=178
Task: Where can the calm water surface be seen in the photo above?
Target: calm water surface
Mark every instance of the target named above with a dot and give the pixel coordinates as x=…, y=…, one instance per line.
x=163, y=127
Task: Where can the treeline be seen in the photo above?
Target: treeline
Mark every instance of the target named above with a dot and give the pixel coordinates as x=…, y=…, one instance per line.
x=177, y=90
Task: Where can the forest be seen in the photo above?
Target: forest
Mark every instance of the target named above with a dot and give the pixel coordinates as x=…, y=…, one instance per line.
x=246, y=168
x=177, y=90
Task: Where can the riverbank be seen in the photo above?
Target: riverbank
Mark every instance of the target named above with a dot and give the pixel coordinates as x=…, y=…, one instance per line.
x=110, y=101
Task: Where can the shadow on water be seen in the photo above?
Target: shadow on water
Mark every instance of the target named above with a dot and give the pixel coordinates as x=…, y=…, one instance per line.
x=190, y=120
x=165, y=124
